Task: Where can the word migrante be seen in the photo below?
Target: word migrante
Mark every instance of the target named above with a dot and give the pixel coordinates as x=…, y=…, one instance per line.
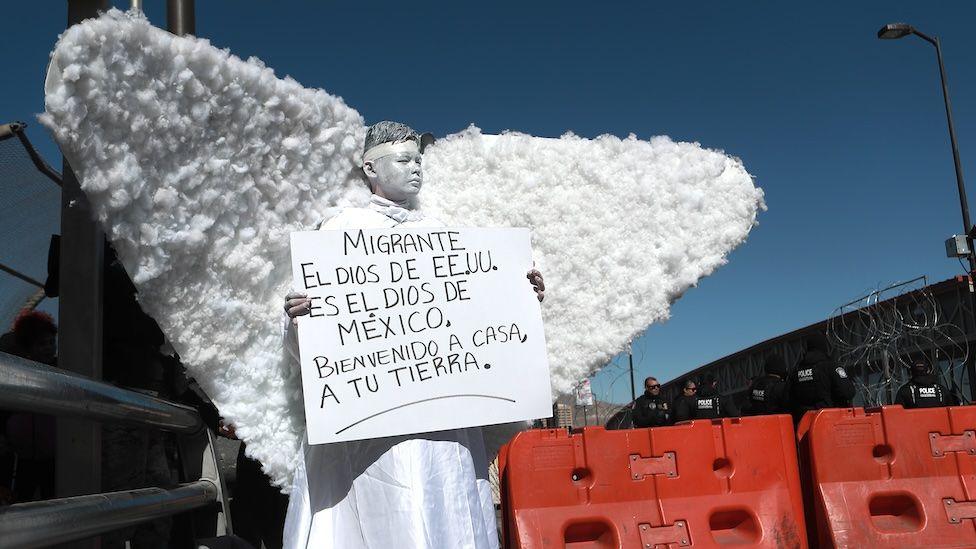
x=400, y=243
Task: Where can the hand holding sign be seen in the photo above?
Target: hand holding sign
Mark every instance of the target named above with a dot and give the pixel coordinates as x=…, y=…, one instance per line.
x=297, y=304
x=535, y=277
x=417, y=330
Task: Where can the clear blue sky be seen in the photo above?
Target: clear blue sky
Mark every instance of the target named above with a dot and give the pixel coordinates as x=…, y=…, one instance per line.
x=845, y=133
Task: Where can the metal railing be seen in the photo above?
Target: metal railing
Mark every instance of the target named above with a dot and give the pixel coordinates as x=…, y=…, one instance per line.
x=32, y=387
x=16, y=129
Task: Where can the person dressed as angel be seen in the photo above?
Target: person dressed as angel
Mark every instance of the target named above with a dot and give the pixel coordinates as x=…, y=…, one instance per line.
x=427, y=490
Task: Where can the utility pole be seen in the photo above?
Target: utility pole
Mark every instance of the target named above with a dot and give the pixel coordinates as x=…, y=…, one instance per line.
x=633, y=390
x=181, y=17
x=894, y=31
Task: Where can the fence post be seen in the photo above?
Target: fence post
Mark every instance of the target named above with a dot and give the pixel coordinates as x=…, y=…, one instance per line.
x=78, y=458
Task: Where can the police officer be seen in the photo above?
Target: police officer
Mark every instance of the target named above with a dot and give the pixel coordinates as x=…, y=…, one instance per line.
x=769, y=394
x=923, y=390
x=684, y=404
x=709, y=404
x=818, y=381
x=650, y=410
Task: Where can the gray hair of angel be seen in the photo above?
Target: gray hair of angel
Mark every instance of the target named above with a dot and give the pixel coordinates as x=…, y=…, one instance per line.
x=389, y=132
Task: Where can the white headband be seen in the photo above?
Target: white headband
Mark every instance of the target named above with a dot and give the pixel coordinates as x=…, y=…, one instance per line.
x=386, y=149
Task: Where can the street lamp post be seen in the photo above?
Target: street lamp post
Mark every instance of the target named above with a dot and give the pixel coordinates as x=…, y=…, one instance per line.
x=894, y=31
x=630, y=357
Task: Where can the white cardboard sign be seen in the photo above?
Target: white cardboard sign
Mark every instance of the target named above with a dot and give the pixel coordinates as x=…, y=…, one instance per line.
x=418, y=330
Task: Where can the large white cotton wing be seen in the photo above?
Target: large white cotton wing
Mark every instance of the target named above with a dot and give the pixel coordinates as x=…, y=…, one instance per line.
x=621, y=227
x=199, y=165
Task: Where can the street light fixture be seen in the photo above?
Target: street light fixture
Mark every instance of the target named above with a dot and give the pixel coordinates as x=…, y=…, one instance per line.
x=893, y=31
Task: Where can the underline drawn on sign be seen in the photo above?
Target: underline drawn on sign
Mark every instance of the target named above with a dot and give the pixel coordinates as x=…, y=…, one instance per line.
x=419, y=402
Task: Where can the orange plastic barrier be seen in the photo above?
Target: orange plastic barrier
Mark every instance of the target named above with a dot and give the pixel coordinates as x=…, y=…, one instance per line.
x=707, y=483
x=892, y=477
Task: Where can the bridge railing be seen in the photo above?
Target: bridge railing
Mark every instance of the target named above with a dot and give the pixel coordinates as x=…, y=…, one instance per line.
x=32, y=387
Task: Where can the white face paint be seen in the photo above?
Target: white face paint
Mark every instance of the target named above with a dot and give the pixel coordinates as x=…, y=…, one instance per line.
x=396, y=176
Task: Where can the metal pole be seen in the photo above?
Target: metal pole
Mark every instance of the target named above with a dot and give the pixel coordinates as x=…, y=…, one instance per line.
x=78, y=459
x=633, y=390
x=79, y=10
x=963, y=202
x=80, y=335
x=960, y=185
x=45, y=523
x=28, y=386
x=17, y=128
x=22, y=276
x=180, y=17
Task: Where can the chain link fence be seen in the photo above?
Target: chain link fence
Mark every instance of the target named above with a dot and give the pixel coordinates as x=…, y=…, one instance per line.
x=30, y=212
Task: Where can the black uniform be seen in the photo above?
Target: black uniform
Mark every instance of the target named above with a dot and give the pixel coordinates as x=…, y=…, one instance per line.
x=769, y=394
x=924, y=391
x=651, y=411
x=683, y=408
x=709, y=405
x=818, y=382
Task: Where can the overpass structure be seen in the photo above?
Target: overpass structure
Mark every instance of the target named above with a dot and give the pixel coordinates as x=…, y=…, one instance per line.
x=873, y=336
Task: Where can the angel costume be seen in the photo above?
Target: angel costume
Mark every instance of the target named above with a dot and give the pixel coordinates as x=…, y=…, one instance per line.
x=195, y=162
x=428, y=490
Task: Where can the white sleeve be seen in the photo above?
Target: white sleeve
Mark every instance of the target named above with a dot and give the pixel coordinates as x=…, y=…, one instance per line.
x=290, y=338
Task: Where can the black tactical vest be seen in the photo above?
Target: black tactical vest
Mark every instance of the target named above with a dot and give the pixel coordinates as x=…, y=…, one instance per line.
x=926, y=396
x=707, y=407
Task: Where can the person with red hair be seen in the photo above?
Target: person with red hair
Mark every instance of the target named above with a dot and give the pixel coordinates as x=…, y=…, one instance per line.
x=35, y=336
x=28, y=436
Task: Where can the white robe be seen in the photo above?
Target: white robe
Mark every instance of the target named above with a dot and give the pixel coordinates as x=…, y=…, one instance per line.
x=428, y=490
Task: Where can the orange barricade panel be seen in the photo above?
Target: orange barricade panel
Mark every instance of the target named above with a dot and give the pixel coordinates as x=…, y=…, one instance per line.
x=707, y=483
x=892, y=477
